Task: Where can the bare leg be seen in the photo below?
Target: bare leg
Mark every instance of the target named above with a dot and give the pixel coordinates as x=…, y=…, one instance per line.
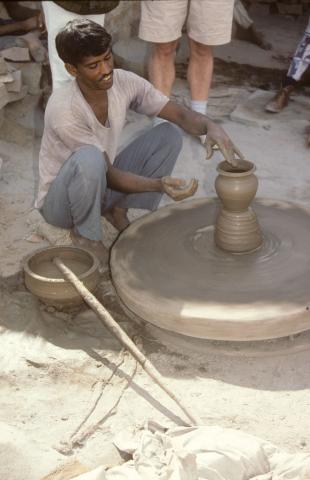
x=96, y=247
x=161, y=67
x=200, y=70
x=117, y=216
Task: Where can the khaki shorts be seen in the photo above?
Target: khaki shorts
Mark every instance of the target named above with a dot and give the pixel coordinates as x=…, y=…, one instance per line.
x=208, y=21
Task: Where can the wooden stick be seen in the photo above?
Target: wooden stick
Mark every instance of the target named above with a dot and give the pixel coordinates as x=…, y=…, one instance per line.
x=108, y=321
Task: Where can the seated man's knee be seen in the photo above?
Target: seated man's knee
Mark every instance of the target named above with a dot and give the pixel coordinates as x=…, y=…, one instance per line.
x=171, y=134
x=91, y=160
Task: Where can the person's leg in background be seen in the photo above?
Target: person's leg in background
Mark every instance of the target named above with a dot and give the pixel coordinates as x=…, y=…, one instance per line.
x=298, y=66
x=208, y=24
x=161, y=67
x=161, y=24
x=75, y=198
x=199, y=75
x=56, y=18
x=151, y=155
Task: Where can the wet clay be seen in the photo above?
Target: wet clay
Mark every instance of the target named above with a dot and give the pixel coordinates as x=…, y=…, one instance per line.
x=168, y=270
x=236, y=228
x=49, y=270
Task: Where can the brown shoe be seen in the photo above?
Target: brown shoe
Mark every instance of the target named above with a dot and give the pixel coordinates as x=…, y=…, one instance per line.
x=280, y=100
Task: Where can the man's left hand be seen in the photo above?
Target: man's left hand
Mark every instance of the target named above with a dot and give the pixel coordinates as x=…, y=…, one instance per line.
x=179, y=189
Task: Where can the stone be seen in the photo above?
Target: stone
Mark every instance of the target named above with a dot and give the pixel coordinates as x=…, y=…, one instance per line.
x=2, y=110
x=286, y=9
x=6, y=78
x=15, y=96
x=1, y=165
x=16, y=84
x=31, y=75
x=3, y=66
x=16, y=54
x=4, y=95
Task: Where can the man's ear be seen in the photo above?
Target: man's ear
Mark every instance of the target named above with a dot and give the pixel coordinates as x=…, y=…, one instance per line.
x=71, y=69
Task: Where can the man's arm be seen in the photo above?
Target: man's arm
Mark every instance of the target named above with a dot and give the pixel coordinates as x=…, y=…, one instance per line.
x=127, y=182
x=19, y=27
x=197, y=124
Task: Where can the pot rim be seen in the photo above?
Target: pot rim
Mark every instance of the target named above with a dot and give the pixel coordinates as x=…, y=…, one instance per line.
x=226, y=169
x=95, y=266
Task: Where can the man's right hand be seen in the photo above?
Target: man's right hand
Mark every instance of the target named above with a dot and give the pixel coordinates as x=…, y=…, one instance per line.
x=218, y=137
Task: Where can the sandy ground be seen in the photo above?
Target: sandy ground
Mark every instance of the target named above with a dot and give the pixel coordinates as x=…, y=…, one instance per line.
x=66, y=385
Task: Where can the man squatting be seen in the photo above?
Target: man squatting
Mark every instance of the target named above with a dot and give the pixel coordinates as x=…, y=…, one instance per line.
x=81, y=175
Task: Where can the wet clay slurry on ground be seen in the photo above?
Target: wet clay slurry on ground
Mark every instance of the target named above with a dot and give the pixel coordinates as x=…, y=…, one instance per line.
x=168, y=271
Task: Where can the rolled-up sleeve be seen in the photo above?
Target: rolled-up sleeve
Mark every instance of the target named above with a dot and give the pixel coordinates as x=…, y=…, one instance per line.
x=145, y=98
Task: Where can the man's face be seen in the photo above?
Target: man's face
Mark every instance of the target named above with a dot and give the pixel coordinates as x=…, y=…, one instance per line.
x=96, y=73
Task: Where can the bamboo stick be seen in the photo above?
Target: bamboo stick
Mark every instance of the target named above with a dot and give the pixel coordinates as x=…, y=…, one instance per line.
x=108, y=321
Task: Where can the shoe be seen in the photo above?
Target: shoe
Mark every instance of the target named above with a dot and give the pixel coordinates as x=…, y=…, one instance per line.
x=280, y=100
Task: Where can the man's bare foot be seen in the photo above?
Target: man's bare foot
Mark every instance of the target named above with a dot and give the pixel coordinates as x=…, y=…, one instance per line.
x=117, y=217
x=97, y=248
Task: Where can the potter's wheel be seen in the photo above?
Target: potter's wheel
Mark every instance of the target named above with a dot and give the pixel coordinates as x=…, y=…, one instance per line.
x=168, y=271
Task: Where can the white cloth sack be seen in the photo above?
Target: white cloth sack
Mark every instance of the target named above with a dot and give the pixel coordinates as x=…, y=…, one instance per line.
x=203, y=453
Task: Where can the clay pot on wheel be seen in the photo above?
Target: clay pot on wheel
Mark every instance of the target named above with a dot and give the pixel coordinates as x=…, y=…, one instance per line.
x=236, y=228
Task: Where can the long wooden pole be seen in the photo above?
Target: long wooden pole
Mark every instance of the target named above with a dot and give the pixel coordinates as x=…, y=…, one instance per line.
x=108, y=321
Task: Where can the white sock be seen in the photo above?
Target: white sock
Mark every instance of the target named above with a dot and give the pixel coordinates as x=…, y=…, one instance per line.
x=158, y=121
x=199, y=106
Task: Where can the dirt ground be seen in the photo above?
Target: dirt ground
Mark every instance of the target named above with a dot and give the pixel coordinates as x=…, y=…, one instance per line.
x=67, y=387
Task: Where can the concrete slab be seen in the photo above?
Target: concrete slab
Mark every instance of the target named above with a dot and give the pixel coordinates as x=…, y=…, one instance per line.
x=4, y=96
x=283, y=32
x=31, y=75
x=16, y=84
x=16, y=54
x=252, y=110
x=3, y=66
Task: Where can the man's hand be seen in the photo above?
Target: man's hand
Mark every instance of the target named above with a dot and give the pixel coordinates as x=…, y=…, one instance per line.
x=179, y=189
x=197, y=124
x=217, y=136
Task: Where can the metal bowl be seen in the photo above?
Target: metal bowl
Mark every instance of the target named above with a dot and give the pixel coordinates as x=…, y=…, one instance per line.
x=43, y=278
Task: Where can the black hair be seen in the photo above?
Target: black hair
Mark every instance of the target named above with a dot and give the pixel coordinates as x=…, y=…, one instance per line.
x=81, y=38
